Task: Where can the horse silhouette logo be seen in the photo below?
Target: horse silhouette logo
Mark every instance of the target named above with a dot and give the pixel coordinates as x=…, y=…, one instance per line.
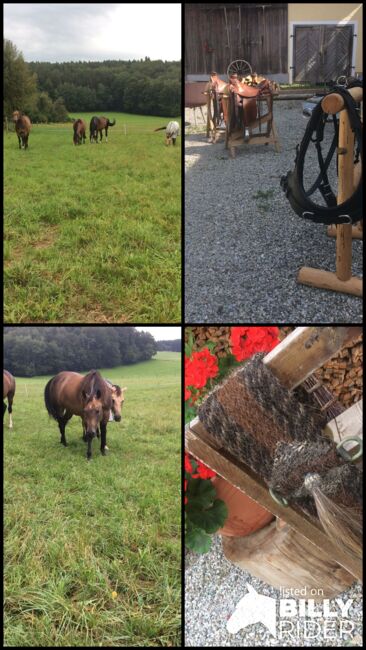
x=253, y=608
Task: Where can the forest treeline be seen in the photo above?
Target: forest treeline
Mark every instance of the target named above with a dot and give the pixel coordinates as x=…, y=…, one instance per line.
x=32, y=350
x=47, y=92
x=170, y=346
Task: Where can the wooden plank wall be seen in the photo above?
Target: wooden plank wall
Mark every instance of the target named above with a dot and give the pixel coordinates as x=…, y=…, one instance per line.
x=252, y=33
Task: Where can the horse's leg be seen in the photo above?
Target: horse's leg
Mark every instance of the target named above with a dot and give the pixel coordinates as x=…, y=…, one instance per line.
x=89, y=452
x=106, y=134
x=103, y=432
x=10, y=409
x=4, y=407
x=20, y=142
x=62, y=421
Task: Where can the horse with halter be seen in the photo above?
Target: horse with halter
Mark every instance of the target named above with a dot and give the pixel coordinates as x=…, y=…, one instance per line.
x=79, y=127
x=22, y=128
x=8, y=392
x=97, y=124
x=69, y=393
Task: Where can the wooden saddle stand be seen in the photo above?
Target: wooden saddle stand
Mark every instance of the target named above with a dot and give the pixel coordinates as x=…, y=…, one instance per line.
x=294, y=551
x=253, y=95
x=348, y=178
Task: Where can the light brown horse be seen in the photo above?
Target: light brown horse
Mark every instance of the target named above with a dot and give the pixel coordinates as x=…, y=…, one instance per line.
x=69, y=393
x=22, y=127
x=9, y=392
x=97, y=124
x=79, y=127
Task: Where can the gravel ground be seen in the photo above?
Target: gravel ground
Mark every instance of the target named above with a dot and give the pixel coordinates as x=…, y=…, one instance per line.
x=213, y=587
x=243, y=251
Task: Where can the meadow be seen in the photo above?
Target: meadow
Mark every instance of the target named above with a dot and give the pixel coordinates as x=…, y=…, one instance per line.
x=92, y=232
x=93, y=549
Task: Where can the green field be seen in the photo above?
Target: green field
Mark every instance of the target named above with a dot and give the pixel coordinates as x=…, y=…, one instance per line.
x=92, y=232
x=75, y=532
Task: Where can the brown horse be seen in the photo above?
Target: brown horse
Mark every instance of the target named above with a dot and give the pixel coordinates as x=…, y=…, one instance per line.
x=79, y=127
x=22, y=127
x=118, y=398
x=69, y=393
x=9, y=391
x=97, y=124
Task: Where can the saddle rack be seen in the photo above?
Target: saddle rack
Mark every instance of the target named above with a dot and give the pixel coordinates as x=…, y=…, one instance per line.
x=293, y=361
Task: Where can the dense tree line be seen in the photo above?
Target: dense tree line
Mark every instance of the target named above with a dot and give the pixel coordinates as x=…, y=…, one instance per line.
x=48, y=91
x=32, y=350
x=170, y=346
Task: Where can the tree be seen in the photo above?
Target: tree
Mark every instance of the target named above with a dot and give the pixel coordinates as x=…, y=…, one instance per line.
x=20, y=85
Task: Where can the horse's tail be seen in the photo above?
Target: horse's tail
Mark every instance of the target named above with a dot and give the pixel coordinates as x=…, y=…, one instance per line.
x=49, y=402
x=111, y=123
x=162, y=128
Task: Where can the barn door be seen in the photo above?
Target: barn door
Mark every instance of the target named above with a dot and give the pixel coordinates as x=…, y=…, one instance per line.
x=322, y=52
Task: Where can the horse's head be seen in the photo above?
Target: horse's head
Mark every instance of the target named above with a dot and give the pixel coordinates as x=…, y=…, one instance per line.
x=117, y=401
x=16, y=115
x=253, y=608
x=92, y=413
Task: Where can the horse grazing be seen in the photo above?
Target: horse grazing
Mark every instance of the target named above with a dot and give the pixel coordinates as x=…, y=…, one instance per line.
x=22, y=127
x=79, y=127
x=97, y=124
x=69, y=393
x=171, y=132
x=9, y=391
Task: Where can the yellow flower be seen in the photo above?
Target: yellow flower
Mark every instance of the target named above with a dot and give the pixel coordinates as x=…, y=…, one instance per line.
x=114, y=594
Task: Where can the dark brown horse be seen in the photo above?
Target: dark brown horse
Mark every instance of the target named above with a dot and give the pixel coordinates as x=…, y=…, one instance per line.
x=79, y=127
x=70, y=393
x=22, y=127
x=9, y=391
x=97, y=124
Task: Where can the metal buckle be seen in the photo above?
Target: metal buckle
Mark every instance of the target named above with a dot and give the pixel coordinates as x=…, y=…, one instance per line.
x=345, y=454
x=349, y=220
x=278, y=499
x=304, y=213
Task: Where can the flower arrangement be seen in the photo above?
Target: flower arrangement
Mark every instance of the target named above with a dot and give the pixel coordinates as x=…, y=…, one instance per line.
x=205, y=514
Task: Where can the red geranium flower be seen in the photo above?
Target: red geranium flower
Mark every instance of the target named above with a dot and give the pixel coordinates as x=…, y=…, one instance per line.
x=245, y=341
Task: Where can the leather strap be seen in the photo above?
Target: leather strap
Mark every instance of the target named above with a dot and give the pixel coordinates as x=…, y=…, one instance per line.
x=350, y=210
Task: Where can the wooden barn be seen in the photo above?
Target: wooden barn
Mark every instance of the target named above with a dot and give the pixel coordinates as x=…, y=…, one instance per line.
x=312, y=42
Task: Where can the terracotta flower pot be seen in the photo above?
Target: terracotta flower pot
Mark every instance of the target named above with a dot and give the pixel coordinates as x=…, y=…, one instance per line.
x=245, y=515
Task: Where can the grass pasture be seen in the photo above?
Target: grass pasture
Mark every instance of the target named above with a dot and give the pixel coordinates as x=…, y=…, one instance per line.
x=76, y=532
x=92, y=232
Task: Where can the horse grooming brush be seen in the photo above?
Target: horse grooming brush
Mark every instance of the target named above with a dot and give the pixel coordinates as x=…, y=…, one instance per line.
x=279, y=436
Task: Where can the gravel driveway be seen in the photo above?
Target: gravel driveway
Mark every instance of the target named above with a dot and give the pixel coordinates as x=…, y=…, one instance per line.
x=213, y=587
x=244, y=245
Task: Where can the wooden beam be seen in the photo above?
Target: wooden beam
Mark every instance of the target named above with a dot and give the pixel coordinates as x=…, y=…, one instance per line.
x=305, y=350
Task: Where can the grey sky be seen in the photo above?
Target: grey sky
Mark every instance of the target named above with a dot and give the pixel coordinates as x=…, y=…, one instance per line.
x=94, y=32
x=162, y=333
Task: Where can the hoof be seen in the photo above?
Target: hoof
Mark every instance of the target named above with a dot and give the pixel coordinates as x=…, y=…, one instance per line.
x=103, y=451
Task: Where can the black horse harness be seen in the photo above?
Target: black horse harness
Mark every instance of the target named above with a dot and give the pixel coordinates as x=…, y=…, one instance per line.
x=350, y=210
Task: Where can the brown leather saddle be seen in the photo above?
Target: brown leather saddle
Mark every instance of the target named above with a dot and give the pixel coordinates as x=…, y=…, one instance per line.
x=247, y=93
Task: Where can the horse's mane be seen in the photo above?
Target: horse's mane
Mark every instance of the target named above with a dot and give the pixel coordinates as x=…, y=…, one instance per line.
x=92, y=383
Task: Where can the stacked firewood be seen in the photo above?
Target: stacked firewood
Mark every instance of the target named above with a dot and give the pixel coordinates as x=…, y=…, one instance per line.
x=342, y=374
x=220, y=335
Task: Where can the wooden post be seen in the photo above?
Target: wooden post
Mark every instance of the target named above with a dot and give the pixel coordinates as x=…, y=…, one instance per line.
x=292, y=361
x=342, y=280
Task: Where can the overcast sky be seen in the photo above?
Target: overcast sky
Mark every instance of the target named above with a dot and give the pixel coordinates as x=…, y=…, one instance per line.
x=94, y=32
x=162, y=333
